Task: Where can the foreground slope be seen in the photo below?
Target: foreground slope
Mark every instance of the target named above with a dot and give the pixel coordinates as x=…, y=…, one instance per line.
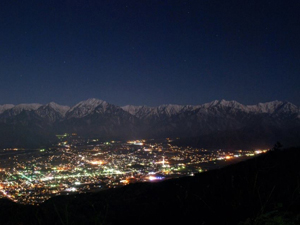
x=262, y=190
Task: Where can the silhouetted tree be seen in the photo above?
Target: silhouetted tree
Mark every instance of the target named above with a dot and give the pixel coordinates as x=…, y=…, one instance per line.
x=277, y=147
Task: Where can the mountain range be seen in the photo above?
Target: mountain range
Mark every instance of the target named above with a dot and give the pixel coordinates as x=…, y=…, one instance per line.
x=218, y=124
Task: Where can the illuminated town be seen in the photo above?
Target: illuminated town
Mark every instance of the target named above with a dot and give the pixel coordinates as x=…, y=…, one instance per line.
x=75, y=165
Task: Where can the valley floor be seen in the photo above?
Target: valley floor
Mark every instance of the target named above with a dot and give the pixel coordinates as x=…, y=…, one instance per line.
x=262, y=190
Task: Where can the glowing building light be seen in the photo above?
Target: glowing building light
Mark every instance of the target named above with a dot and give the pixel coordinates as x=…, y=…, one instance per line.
x=153, y=178
x=97, y=162
x=47, y=178
x=72, y=189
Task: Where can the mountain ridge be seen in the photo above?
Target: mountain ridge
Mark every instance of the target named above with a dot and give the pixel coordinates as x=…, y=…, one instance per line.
x=266, y=107
x=275, y=120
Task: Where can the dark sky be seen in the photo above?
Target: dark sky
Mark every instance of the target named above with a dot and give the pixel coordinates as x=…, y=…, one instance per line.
x=146, y=52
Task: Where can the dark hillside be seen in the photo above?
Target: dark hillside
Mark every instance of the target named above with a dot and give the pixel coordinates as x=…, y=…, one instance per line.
x=263, y=190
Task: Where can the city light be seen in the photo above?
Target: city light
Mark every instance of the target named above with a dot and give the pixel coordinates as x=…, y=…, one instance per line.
x=96, y=162
x=153, y=178
x=35, y=176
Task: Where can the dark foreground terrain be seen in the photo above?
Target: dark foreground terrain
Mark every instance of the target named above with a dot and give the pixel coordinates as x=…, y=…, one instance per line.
x=262, y=190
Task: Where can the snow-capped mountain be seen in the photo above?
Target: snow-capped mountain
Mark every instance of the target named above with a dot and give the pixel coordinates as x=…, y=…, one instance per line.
x=144, y=111
x=87, y=107
x=52, y=112
x=61, y=109
x=94, y=117
x=134, y=110
x=214, y=106
x=17, y=109
x=5, y=107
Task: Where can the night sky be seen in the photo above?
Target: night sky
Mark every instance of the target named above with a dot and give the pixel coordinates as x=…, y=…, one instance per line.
x=149, y=52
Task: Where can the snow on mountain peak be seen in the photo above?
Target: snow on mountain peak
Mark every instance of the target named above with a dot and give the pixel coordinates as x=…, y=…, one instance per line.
x=132, y=109
x=169, y=109
x=5, y=107
x=23, y=107
x=94, y=105
x=93, y=101
x=267, y=107
x=62, y=109
x=28, y=107
x=86, y=107
x=224, y=103
x=287, y=107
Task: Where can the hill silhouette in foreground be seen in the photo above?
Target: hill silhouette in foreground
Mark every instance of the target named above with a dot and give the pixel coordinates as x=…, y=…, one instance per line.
x=262, y=190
